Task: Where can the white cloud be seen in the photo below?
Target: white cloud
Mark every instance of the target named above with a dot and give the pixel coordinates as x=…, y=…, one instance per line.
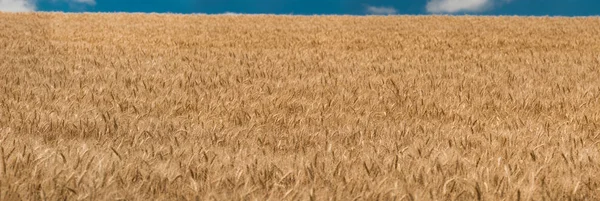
x=375, y=10
x=16, y=6
x=453, y=6
x=29, y=5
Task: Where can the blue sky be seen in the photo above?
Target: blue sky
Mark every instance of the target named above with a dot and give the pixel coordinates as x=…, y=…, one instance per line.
x=317, y=7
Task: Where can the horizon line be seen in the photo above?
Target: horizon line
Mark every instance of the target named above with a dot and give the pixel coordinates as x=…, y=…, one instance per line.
x=303, y=15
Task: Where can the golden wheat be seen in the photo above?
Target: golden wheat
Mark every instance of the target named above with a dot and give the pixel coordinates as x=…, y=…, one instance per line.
x=183, y=107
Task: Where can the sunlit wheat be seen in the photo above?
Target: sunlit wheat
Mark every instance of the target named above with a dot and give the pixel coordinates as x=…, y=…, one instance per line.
x=185, y=107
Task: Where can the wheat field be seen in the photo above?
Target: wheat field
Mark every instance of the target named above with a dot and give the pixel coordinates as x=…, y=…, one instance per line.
x=200, y=107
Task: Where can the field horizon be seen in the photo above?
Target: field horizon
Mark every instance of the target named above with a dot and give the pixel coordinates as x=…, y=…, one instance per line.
x=264, y=107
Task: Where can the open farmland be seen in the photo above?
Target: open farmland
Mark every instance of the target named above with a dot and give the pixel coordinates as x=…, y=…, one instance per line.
x=132, y=106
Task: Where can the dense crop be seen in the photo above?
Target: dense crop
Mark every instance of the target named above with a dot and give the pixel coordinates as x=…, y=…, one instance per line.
x=132, y=106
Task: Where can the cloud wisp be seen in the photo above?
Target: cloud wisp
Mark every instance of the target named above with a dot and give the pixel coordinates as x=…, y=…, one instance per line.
x=88, y=2
x=376, y=10
x=455, y=6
